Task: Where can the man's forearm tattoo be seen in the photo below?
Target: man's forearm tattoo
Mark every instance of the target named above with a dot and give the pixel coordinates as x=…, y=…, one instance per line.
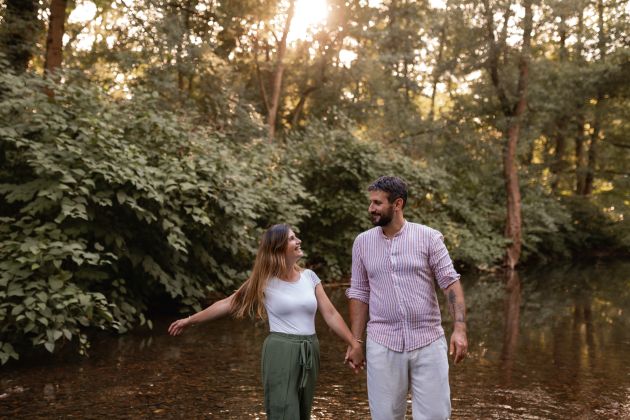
x=457, y=309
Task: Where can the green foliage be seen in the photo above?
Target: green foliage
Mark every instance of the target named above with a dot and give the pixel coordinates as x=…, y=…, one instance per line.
x=547, y=227
x=108, y=205
x=595, y=230
x=19, y=32
x=337, y=168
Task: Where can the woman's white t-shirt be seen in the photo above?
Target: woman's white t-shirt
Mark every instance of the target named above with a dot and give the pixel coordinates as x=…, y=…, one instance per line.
x=291, y=306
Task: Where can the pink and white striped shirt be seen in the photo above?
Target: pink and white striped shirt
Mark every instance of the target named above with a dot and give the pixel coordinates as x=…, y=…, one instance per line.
x=395, y=277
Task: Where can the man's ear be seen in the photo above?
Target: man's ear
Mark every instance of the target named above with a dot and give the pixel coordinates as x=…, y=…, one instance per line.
x=398, y=203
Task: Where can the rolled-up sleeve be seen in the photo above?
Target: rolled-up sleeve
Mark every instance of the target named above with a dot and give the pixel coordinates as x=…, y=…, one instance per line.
x=359, y=285
x=441, y=263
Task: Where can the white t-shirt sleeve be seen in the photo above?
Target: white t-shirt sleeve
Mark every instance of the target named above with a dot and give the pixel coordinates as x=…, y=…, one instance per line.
x=313, y=278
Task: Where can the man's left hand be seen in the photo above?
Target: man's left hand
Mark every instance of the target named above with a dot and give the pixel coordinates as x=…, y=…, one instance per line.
x=459, y=343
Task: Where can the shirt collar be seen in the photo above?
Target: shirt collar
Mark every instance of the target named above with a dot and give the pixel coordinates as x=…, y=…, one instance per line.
x=399, y=233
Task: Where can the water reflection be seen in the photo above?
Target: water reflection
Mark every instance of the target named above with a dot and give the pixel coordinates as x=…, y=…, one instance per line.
x=512, y=323
x=543, y=344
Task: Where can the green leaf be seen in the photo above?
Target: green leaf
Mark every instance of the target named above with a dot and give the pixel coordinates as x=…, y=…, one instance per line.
x=17, y=309
x=55, y=283
x=67, y=334
x=121, y=196
x=15, y=290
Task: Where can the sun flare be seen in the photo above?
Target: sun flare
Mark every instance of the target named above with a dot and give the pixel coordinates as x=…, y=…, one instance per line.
x=308, y=14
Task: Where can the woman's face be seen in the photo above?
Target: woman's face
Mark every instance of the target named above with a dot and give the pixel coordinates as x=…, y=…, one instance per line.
x=294, y=250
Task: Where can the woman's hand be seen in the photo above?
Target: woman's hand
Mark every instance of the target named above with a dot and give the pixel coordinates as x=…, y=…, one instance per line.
x=217, y=310
x=178, y=327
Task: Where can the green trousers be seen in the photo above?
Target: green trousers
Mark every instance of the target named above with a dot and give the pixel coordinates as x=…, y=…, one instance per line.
x=290, y=365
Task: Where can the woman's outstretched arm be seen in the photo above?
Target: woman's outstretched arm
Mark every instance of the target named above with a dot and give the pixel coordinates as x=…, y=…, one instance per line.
x=217, y=310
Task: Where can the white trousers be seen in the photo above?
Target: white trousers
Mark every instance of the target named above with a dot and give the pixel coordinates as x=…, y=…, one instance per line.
x=390, y=374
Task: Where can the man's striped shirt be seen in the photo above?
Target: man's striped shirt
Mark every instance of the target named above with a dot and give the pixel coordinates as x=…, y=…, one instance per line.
x=395, y=277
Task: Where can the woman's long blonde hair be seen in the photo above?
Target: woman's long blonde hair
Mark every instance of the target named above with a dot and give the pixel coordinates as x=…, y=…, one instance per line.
x=270, y=262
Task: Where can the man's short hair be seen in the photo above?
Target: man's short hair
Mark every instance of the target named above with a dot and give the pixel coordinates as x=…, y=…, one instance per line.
x=393, y=186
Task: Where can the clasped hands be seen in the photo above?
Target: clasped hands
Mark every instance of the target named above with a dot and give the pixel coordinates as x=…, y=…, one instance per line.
x=355, y=358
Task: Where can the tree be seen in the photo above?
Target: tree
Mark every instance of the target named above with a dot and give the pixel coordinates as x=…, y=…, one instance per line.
x=19, y=32
x=597, y=117
x=272, y=100
x=513, y=112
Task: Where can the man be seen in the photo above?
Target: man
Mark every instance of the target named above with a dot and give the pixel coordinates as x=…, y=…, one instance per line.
x=394, y=267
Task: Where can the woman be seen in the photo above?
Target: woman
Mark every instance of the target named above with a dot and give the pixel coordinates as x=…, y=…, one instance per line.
x=289, y=297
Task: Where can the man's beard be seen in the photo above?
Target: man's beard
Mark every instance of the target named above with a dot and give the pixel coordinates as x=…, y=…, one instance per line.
x=383, y=219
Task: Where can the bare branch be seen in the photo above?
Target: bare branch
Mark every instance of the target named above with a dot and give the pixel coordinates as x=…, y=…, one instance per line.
x=493, y=60
x=622, y=145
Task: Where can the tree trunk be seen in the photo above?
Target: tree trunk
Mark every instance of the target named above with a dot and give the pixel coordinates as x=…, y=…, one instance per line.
x=514, y=115
x=184, y=28
x=493, y=60
x=591, y=163
x=597, y=118
x=579, y=45
x=328, y=52
x=297, y=112
x=562, y=29
x=54, y=40
x=437, y=70
x=507, y=14
x=510, y=166
x=276, y=85
x=191, y=78
x=405, y=76
x=180, y=73
x=558, y=165
x=513, y=192
x=19, y=31
x=580, y=167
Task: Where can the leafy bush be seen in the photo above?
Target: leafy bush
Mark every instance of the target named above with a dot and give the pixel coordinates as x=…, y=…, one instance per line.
x=546, y=226
x=337, y=168
x=594, y=229
x=107, y=205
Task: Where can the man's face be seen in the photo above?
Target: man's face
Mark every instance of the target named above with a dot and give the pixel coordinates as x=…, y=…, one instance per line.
x=381, y=210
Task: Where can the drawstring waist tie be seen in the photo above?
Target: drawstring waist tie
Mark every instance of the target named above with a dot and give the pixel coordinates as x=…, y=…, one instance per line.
x=306, y=352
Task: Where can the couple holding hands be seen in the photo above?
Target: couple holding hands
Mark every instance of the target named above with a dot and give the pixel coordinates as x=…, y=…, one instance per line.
x=392, y=295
